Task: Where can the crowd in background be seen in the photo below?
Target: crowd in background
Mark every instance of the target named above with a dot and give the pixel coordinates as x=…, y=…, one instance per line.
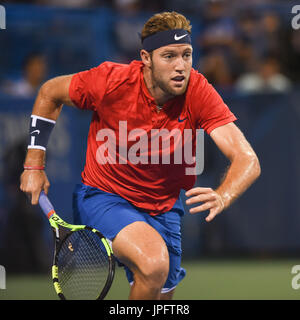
x=248, y=48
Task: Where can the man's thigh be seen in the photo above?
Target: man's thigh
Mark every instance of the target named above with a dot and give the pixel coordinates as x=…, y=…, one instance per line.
x=139, y=246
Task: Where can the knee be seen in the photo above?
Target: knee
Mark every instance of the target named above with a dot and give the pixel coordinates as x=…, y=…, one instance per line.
x=153, y=271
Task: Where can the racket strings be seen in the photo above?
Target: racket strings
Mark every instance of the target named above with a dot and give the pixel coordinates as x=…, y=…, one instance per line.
x=83, y=265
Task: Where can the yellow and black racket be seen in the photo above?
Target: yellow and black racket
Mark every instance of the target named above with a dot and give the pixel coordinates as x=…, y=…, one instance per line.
x=84, y=264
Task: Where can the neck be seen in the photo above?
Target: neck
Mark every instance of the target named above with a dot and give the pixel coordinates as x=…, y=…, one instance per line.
x=160, y=96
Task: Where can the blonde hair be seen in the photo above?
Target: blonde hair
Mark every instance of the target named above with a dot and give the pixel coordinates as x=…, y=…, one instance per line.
x=165, y=21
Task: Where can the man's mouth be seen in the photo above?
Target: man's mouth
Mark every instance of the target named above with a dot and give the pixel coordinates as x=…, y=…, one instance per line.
x=178, y=78
x=178, y=81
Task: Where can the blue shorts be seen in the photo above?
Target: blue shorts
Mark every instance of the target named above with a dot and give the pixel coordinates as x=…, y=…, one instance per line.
x=110, y=213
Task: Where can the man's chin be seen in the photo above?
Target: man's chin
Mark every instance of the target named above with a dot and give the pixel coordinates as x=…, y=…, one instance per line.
x=178, y=91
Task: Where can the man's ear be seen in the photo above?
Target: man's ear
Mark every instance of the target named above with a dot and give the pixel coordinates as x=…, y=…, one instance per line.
x=146, y=58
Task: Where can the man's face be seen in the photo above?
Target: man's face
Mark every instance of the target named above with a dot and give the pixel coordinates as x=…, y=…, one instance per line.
x=171, y=67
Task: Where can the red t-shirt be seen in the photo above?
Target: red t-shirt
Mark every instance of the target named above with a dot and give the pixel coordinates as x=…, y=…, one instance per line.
x=125, y=154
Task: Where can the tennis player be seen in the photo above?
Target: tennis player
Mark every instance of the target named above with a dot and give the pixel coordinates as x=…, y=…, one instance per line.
x=127, y=191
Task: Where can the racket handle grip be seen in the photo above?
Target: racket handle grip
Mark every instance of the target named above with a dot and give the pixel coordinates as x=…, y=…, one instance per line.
x=45, y=203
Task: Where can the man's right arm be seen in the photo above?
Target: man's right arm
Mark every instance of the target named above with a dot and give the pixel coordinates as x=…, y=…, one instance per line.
x=49, y=102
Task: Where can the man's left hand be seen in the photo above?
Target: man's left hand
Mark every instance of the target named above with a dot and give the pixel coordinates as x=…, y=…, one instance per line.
x=210, y=199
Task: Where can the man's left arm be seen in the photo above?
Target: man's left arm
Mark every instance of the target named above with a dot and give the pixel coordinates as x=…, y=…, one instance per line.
x=242, y=172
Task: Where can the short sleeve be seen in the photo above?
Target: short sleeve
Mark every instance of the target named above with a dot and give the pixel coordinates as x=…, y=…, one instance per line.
x=210, y=109
x=87, y=88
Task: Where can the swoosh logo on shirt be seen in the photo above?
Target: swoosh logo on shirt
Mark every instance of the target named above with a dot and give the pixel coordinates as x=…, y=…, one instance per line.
x=37, y=131
x=179, y=37
x=181, y=120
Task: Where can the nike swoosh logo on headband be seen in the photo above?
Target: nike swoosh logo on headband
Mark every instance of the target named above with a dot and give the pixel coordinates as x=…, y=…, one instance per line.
x=179, y=37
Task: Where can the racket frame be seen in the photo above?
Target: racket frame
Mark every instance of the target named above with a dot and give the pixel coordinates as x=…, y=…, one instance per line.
x=58, y=223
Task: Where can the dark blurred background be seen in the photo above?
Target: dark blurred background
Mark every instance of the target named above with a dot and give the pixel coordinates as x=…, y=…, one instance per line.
x=247, y=50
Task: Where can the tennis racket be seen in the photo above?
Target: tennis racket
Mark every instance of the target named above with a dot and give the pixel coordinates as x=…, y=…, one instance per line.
x=84, y=264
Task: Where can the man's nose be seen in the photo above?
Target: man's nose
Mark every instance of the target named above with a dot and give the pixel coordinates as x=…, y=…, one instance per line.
x=180, y=65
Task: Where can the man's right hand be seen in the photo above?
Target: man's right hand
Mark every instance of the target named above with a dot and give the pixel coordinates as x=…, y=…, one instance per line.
x=33, y=182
